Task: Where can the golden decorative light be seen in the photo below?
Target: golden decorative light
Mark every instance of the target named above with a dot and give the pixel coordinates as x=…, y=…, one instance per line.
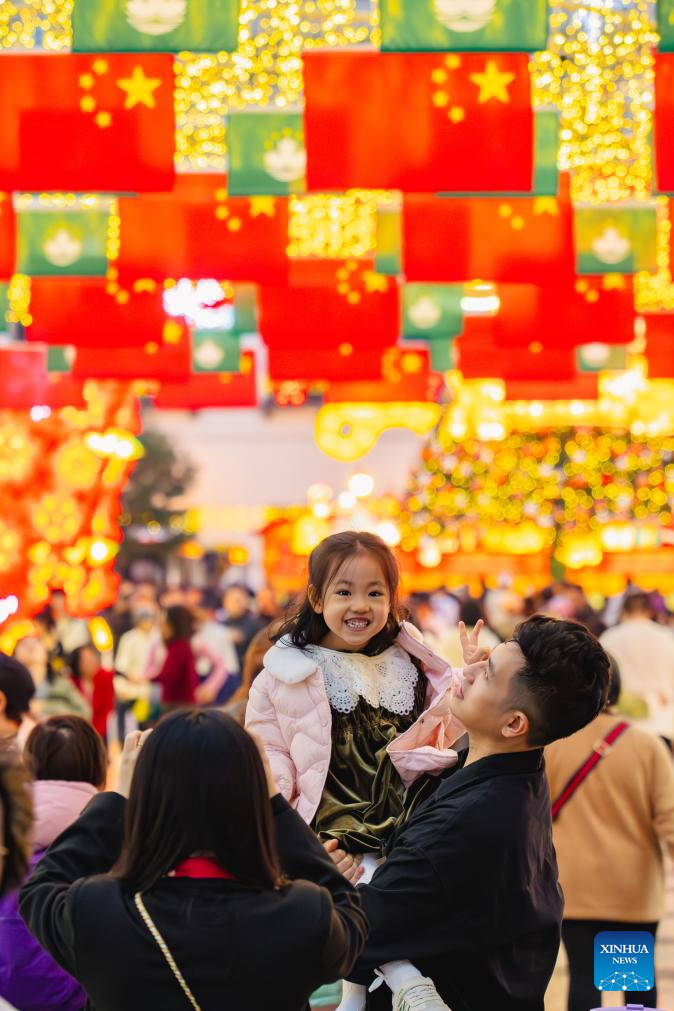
x=335, y=226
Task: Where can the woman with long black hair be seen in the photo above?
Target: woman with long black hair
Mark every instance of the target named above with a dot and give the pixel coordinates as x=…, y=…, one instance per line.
x=176, y=897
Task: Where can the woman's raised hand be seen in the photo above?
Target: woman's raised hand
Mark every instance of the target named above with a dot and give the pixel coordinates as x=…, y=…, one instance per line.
x=472, y=651
x=132, y=745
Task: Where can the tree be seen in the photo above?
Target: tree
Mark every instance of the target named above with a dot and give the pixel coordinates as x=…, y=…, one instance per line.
x=154, y=513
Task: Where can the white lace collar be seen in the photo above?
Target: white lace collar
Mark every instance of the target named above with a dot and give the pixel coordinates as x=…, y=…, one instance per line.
x=387, y=680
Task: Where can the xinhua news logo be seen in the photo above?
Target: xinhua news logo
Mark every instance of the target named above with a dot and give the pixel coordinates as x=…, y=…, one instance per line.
x=624, y=960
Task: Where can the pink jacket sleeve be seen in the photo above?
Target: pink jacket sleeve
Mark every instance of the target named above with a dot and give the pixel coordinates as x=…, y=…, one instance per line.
x=262, y=719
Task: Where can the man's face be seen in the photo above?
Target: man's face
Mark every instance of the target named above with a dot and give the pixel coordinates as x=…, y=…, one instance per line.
x=481, y=701
x=236, y=602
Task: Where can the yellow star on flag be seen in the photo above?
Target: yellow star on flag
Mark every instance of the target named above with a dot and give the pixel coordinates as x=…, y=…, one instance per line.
x=375, y=282
x=546, y=205
x=613, y=282
x=139, y=89
x=492, y=83
x=263, y=206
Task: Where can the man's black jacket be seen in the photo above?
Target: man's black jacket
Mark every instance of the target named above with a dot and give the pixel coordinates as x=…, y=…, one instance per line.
x=469, y=891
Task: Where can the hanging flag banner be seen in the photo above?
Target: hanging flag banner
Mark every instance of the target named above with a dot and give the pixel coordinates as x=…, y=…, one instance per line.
x=167, y=361
x=514, y=239
x=7, y=236
x=160, y=26
x=389, y=227
x=432, y=311
x=205, y=233
x=431, y=122
x=666, y=25
x=266, y=153
x=230, y=389
x=215, y=351
x=464, y=25
x=23, y=376
x=65, y=243
x=60, y=358
x=663, y=121
x=615, y=240
x=597, y=357
x=86, y=123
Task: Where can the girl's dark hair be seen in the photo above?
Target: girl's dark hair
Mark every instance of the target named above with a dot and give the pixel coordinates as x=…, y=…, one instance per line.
x=75, y=661
x=305, y=627
x=181, y=622
x=199, y=786
x=66, y=748
x=16, y=819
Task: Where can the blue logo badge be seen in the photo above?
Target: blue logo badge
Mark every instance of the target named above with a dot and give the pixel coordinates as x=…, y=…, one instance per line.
x=624, y=960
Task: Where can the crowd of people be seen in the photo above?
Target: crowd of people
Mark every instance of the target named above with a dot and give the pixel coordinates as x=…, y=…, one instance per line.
x=342, y=789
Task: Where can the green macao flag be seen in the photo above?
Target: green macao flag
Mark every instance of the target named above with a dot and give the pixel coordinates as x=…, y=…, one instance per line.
x=432, y=311
x=598, y=357
x=546, y=151
x=245, y=309
x=443, y=355
x=62, y=243
x=160, y=26
x=666, y=25
x=266, y=153
x=615, y=240
x=389, y=232
x=4, y=307
x=60, y=358
x=464, y=25
x=215, y=351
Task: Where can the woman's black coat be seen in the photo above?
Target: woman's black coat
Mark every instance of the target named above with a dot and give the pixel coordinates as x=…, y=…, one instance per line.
x=239, y=948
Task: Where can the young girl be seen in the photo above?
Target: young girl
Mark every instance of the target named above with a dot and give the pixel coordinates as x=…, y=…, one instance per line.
x=352, y=709
x=96, y=684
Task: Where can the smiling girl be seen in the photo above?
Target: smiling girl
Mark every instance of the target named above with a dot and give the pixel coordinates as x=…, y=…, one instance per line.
x=351, y=706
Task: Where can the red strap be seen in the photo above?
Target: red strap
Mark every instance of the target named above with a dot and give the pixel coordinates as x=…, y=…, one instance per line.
x=586, y=768
x=201, y=867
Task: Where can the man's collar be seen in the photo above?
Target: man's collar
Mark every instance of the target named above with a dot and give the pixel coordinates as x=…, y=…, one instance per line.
x=511, y=763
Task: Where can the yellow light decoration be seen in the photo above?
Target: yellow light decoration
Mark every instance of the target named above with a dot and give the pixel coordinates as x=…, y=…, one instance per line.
x=598, y=70
x=101, y=634
x=348, y=431
x=580, y=551
x=77, y=467
x=307, y=532
x=335, y=226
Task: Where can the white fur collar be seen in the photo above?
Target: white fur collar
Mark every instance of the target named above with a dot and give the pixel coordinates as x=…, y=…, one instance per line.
x=288, y=663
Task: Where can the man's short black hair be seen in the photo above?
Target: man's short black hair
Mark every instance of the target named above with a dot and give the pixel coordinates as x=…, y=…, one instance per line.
x=17, y=686
x=565, y=679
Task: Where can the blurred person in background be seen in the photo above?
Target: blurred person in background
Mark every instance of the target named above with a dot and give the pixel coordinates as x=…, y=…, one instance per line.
x=268, y=606
x=95, y=684
x=70, y=632
x=253, y=664
x=45, y=630
x=119, y=615
x=217, y=658
x=609, y=827
x=239, y=617
x=55, y=694
x=67, y=760
x=177, y=675
x=644, y=651
x=16, y=693
x=503, y=609
x=132, y=659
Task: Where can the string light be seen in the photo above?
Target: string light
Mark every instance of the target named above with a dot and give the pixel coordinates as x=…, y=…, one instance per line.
x=335, y=226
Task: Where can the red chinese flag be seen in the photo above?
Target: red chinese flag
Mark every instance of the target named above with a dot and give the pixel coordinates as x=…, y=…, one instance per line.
x=664, y=121
x=316, y=333
x=7, y=237
x=23, y=377
x=660, y=346
x=64, y=391
x=478, y=358
x=406, y=377
x=514, y=239
x=231, y=389
x=202, y=233
x=93, y=313
x=421, y=122
x=167, y=362
x=103, y=123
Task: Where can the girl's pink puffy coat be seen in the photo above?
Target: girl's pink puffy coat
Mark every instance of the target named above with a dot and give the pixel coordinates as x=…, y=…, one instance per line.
x=289, y=710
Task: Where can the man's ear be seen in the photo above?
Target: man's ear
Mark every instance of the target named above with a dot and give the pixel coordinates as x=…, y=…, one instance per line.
x=314, y=599
x=517, y=725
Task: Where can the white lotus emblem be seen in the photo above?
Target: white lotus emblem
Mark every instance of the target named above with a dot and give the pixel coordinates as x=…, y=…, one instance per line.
x=425, y=313
x=62, y=247
x=156, y=17
x=464, y=15
x=611, y=247
x=286, y=161
x=209, y=355
x=596, y=354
